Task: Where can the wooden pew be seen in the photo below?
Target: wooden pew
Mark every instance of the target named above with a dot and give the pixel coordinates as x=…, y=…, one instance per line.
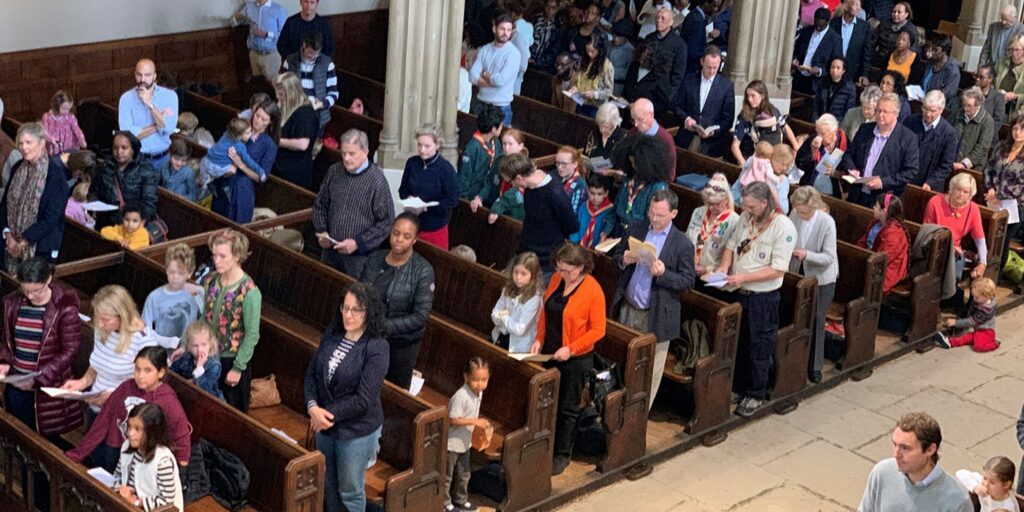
x=71, y=488
x=688, y=162
x=98, y=122
x=536, y=85
x=82, y=249
x=343, y=120
x=353, y=85
x=212, y=115
x=549, y=122
x=916, y=198
x=185, y=218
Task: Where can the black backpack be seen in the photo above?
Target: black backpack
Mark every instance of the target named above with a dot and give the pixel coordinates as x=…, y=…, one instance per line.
x=592, y=438
x=218, y=472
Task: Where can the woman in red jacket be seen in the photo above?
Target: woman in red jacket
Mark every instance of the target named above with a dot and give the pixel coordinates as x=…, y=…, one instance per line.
x=887, y=234
x=41, y=335
x=571, y=322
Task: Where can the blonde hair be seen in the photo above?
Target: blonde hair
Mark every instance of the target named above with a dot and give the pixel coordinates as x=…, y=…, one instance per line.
x=808, y=196
x=531, y=263
x=963, y=181
x=292, y=96
x=238, y=241
x=237, y=127
x=81, y=191
x=200, y=326
x=984, y=287
x=763, y=149
x=114, y=300
x=187, y=121
x=783, y=154
x=183, y=254
x=465, y=252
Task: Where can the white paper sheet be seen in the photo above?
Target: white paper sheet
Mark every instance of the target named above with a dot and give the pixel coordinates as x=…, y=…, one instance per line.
x=417, y=384
x=1010, y=205
x=915, y=93
x=103, y=476
x=413, y=203
x=69, y=395
x=99, y=206
x=18, y=378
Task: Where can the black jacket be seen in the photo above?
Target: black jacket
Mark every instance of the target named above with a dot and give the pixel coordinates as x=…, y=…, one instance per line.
x=719, y=108
x=832, y=98
x=885, y=41
x=139, y=184
x=408, y=298
x=664, y=305
x=830, y=46
x=859, y=51
x=938, y=151
x=47, y=231
x=694, y=35
x=667, y=63
x=897, y=164
x=352, y=394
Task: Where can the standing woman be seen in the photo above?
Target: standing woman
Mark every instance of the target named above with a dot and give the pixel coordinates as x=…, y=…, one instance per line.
x=893, y=82
x=262, y=147
x=711, y=225
x=404, y=283
x=40, y=304
x=128, y=178
x=1010, y=74
x=32, y=208
x=1004, y=177
x=572, y=320
x=569, y=169
x=232, y=306
x=596, y=77
x=300, y=125
x=342, y=391
x=759, y=120
x=834, y=94
x=757, y=260
x=815, y=256
x=431, y=177
x=829, y=137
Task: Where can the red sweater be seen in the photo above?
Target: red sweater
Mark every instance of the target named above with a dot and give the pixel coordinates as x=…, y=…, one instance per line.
x=666, y=137
x=112, y=421
x=892, y=241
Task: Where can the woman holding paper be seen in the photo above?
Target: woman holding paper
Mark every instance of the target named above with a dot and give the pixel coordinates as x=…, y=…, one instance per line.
x=40, y=304
x=404, y=283
x=820, y=158
x=1004, y=179
x=1010, y=73
x=602, y=139
x=431, y=178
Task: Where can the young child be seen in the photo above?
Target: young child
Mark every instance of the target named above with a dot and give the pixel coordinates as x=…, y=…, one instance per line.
x=178, y=176
x=781, y=161
x=171, y=308
x=75, y=209
x=981, y=320
x=188, y=126
x=464, y=412
x=511, y=202
x=147, y=474
x=61, y=125
x=199, y=360
x=478, y=169
x=515, y=314
x=567, y=170
x=217, y=163
x=465, y=252
x=757, y=168
x=888, y=234
x=597, y=217
x=131, y=234
x=993, y=486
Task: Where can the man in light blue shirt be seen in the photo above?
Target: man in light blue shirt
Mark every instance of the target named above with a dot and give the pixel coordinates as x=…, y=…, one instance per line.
x=150, y=112
x=265, y=19
x=495, y=68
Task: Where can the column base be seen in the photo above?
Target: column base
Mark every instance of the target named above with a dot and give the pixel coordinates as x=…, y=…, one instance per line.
x=968, y=54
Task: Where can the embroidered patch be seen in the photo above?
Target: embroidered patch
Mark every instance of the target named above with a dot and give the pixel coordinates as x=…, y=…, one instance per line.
x=789, y=238
x=761, y=255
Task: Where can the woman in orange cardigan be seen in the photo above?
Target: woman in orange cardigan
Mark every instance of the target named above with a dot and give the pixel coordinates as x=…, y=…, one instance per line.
x=571, y=322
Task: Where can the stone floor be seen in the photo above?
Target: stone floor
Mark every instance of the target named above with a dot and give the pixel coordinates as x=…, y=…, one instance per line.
x=818, y=456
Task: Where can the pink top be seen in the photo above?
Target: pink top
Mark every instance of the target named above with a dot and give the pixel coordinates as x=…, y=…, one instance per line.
x=807, y=11
x=65, y=135
x=760, y=169
x=76, y=212
x=961, y=222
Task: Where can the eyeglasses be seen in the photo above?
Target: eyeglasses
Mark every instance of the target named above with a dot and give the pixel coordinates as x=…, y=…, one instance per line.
x=352, y=311
x=566, y=269
x=31, y=293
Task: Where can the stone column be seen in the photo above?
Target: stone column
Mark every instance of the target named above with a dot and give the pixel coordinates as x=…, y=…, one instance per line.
x=424, y=49
x=972, y=27
x=761, y=47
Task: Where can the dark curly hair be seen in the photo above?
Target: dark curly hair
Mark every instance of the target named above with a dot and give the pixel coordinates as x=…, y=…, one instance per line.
x=366, y=297
x=899, y=84
x=651, y=160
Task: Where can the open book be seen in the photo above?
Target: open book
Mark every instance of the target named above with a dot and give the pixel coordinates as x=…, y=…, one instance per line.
x=646, y=251
x=707, y=131
x=857, y=181
x=607, y=245
x=530, y=358
x=576, y=96
x=829, y=162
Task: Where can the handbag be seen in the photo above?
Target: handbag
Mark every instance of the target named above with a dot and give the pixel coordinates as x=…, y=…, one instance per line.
x=264, y=392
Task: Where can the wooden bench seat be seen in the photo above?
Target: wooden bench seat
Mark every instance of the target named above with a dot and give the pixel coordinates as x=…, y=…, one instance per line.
x=689, y=162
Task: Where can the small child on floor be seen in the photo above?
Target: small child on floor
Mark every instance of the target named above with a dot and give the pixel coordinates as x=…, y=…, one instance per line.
x=981, y=320
x=131, y=234
x=994, y=486
x=464, y=413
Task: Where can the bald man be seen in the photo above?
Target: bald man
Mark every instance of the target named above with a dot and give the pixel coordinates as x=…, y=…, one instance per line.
x=657, y=71
x=150, y=112
x=642, y=113
x=999, y=34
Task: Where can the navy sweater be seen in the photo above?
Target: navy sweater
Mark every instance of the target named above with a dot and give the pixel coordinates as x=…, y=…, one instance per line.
x=431, y=180
x=352, y=395
x=549, y=220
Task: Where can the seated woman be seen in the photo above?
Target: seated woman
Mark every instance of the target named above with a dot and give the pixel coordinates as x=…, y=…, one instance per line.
x=888, y=234
x=905, y=61
x=602, y=140
x=865, y=114
x=834, y=94
x=128, y=178
x=572, y=320
x=105, y=436
x=342, y=391
x=956, y=211
x=828, y=139
x=711, y=226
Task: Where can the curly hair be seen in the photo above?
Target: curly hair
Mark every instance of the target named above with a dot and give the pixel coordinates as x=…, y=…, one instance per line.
x=366, y=297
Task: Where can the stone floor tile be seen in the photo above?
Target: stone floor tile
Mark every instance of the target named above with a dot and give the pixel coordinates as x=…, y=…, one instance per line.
x=1003, y=443
x=749, y=443
x=1003, y=395
x=832, y=472
x=717, y=478
x=788, y=498
x=838, y=421
x=941, y=369
x=964, y=423
x=646, y=495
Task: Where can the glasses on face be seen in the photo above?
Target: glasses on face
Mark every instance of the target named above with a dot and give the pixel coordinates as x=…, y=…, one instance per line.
x=352, y=310
x=889, y=112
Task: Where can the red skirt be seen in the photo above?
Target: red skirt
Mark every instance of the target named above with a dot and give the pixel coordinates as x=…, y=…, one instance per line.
x=438, y=238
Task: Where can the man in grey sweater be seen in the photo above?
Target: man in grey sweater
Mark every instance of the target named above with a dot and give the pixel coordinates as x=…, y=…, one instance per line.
x=913, y=480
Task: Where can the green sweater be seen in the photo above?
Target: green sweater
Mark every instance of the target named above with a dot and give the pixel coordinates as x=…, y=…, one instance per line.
x=478, y=170
x=510, y=204
x=234, y=312
x=888, y=490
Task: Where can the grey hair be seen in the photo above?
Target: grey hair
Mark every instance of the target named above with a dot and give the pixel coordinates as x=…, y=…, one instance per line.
x=964, y=181
x=934, y=98
x=354, y=136
x=608, y=112
x=433, y=131
x=827, y=120
x=871, y=95
x=762, y=192
x=975, y=94
x=34, y=129
x=893, y=98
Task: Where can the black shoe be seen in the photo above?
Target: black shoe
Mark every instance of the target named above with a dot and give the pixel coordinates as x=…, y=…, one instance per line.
x=942, y=341
x=559, y=464
x=814, y=376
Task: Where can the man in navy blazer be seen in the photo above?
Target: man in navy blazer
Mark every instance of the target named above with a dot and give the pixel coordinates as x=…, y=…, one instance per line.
x=938, y=142
x=815, y=47
x=884, y=151
x=647, y=296
x=704, y=100
x=857, y=40
x=695, y=34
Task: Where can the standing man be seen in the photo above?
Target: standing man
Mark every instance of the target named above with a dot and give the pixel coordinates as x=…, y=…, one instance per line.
x=353, y=211
x=495, y=69
x=813, y=51
x=549, y=218
x=858, y=41
x=301, y=23
x=1000, y=33
x=658, y=69
x=150, y=112
x=266, y=20
x=885, y=151
x=695, y=34
x=706, y=100
x=938, y=142
x=912, y=479
x=316, y=74
x=642, y=114
x=647, y=297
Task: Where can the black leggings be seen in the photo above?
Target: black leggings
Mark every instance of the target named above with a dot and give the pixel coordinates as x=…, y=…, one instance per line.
x=239, y=395
x=401, y=363
x=574, y=374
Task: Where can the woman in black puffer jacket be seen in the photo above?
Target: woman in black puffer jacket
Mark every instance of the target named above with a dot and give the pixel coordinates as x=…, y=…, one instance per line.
x=127, y=178
x=404, y=282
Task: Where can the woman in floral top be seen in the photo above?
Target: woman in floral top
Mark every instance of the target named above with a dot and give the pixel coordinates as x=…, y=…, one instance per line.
x=232, y=306
x=1004, y=176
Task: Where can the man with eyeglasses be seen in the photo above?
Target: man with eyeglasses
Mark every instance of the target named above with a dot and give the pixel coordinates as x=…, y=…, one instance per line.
x=991, y=99
x=647, y=297
x=884, y=155
x=642, y=114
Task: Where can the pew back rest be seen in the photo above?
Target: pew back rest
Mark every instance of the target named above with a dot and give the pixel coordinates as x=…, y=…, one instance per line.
x=185, y=218
x=688, y=162
x=862, y=274
x=536, y=145
x=213, y=115
x=472, y=229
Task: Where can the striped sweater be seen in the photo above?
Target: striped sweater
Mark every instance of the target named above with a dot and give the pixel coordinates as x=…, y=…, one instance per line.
x=156, y=482
x=355, y=206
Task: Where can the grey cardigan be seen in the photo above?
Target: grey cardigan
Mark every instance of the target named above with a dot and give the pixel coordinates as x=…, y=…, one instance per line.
x=822, y=261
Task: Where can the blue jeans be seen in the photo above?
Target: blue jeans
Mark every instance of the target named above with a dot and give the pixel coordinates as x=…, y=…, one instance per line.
x=507, y=110
x=346, y=470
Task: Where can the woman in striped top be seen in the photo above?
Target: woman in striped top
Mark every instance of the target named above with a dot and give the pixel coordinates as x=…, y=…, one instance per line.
x=119, y=335
x=146, y=475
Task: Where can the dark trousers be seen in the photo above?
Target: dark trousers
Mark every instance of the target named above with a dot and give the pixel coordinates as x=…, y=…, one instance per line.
x=574, y=374
x=401, y=362
x=236, y=396
x=1012, y=232
x=351, y=264
x=857, y=195
x=759, y=328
